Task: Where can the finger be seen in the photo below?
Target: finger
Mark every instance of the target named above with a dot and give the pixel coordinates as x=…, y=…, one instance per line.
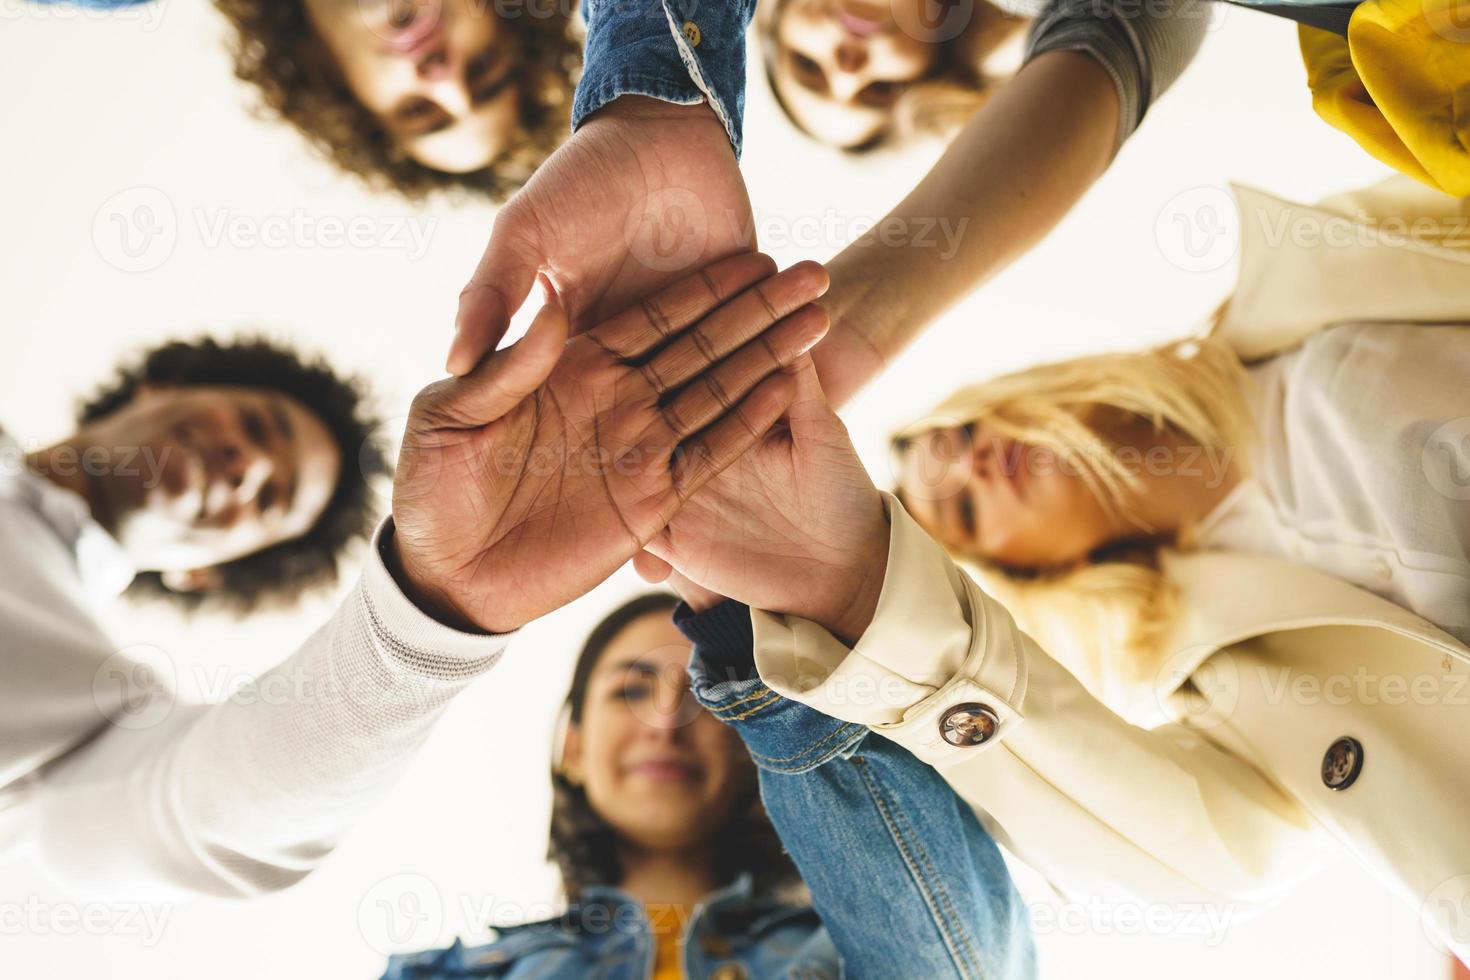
x=500, y=382
x=501, y=283
x=651, y=568
x=733, y=324
x=701, y=460
x=636, y=331
x=715, y=392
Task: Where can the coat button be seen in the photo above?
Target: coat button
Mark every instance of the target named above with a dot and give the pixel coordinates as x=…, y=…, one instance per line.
x=1342, y=763
x=968, y=724
x=691, y=31
x=729, y=971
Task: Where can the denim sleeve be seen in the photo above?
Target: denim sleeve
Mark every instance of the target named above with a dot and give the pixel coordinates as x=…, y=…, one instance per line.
x=906, y=880
x=681, y=51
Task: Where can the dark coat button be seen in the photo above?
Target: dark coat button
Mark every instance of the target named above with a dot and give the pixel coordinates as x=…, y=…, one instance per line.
x=1342, y=763
x=968, y=724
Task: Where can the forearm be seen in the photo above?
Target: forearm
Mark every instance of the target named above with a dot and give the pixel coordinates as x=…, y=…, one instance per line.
x=1097, y=805
x=861, y=816
x=247, y=796
x=1006, y=180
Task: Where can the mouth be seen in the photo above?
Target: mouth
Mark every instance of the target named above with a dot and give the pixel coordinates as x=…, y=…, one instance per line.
x=417, y=31
x=862, y=22
x=665, y=771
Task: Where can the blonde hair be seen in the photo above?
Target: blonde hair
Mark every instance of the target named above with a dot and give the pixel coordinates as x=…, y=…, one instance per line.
x=1105, y=619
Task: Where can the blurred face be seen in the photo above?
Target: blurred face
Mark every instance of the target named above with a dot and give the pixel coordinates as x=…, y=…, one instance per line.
x=986, y=496
x=841, y=65
x=191, y=477
x=660, y=770
x=439, y=74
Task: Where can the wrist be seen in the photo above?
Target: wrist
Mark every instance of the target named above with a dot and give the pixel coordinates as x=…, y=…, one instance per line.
x=644, y=107
x=846, y=608
x=423, y=590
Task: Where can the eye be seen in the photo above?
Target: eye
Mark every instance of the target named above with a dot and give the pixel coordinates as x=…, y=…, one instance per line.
x=488, y=75
x=808, y=72
x=254, y=425
x=633, y=692
x=881, y=94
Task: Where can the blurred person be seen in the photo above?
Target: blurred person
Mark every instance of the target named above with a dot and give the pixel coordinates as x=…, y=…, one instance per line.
x=121, y=790
x=670, y=862
x=1304, y=719
x=415, y=95
x=1316, y=424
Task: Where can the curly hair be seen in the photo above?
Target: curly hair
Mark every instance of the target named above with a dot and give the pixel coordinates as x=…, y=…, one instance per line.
x=585, y=848
x=277, y=50
x=280, y=573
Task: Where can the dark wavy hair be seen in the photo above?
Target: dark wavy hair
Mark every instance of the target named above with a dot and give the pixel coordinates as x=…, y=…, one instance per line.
x=278, y=51
x=282, y=572
x=585, y=848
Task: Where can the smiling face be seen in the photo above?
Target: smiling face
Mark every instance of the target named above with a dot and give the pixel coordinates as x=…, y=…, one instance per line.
x=440, y=75
x=191, y=477
x=985, y=496
x=841, y=65
x=662, y=772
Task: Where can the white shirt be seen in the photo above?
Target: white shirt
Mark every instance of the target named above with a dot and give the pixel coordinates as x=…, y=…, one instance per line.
x=124, y=791
x=1362, y=470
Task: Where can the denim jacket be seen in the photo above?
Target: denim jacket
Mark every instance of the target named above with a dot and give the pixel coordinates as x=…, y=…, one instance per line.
x=907, y=883
x=680, y=51
x=607, y=936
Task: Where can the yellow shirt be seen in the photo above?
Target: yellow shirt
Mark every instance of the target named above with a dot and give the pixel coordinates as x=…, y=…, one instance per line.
x=666, y=922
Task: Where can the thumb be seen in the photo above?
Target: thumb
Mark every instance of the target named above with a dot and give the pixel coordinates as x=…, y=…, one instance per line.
x=651, y=568
x=500, y=382
x=499, y=286
x=810, y=412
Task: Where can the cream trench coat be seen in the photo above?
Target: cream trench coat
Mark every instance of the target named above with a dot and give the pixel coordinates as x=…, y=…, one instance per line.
x=1271, y=665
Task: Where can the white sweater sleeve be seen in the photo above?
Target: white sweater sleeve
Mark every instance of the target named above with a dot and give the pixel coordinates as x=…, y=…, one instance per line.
x=247, y=796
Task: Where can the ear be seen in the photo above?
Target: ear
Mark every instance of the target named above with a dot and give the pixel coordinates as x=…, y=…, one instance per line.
x=571, y=755
x=193, y=580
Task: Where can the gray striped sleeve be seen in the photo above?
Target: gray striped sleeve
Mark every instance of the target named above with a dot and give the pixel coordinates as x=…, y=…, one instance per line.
x=1143, y=45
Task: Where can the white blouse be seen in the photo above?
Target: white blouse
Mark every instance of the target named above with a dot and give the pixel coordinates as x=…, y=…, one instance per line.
x=1362, y=469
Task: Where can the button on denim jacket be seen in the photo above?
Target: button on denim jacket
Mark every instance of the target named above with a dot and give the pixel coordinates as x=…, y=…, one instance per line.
x=905, y=880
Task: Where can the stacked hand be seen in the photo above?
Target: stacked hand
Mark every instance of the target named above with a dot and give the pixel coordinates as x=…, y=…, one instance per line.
x=644, y=192
x=532, y=478
x=796, y=526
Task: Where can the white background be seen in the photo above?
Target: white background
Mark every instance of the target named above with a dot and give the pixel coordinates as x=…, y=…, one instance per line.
x=100, y=106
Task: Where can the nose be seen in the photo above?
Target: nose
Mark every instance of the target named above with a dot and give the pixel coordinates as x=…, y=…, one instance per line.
x=851, y=55
x=442, y=72
x=244, y=468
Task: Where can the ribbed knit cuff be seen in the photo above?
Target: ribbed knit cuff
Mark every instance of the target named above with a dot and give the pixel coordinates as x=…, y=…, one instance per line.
x=723, y=639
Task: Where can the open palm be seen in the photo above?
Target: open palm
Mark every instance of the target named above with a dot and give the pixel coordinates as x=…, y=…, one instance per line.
x=644, y=192
x=529, y=481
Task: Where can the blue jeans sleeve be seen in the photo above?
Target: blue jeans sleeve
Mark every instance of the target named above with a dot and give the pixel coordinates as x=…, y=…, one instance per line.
x=903, y=875
x=682, y=51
